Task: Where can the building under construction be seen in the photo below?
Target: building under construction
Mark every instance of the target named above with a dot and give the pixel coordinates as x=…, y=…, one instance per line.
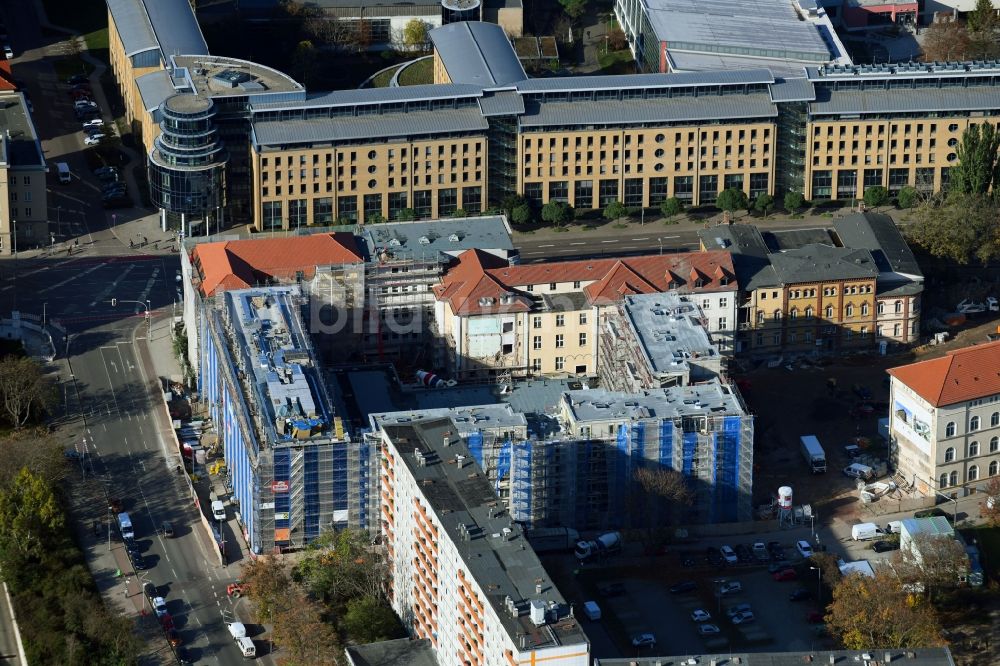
x=576, y=467
x=291, y=468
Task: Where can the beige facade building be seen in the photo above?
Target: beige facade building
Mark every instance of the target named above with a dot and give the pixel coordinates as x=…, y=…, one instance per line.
x=23, y=194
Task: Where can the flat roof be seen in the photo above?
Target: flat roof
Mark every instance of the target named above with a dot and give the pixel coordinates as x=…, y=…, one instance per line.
x=708, y=399
x=904, y=100
x=540, y=113
x=477, y=53
x=399, y=652
x=370, y=96
x=21, y=147
x=668, y=330
x=220, y=76
x=433, y=238
x=467, y=419
x=350, y=128
x=645, y=81
x=792, y=89
x=909, y=656
x=155, y=88
x=493, y=548
x=739, y=27
x=816, y=262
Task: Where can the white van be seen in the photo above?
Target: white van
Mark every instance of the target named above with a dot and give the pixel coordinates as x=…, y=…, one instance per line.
x=218, y=510
x=246, y=646
x=592, y=610
x=894, y=527
x=859, y=471
x=864, y=531
x=125, y=526
x=64, y=173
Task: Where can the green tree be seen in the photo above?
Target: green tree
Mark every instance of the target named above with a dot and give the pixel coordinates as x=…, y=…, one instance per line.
x=615, y=211
x=876, y=611
x=406, y=214
x=876, y=196
x=521, y=214
x=574, y=8
x=510, y=202
x=908, y=197
x=793, y=201
x=960, y=227
x=343, y=565
x=978, y=167
x=24, y=389
x=982, y=19
x=301, y=633
x=732, y=200
x=763, y=203
x=29, y=514
x=557, y=213
x=671, y=207
x=368, y=620
x=266, y=582
x=459, y=213
x=415, y=33
x=304, y=61
x=374, y=218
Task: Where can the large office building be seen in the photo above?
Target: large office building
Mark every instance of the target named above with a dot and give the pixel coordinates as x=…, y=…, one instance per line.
x=23, y=193
x=292, y=469
x=944, y=420
x=462, y=573
x=287, y=158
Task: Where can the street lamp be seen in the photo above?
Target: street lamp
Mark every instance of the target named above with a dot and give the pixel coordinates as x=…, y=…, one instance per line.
x=819, y=580
x=947, y=497
x=145, y=304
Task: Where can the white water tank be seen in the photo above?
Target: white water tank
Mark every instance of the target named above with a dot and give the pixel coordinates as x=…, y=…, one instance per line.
x=785, y=498
x=199, y=456
x=537, y=612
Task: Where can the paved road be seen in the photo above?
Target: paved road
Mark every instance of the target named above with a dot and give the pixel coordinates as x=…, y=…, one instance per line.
x=9, y=653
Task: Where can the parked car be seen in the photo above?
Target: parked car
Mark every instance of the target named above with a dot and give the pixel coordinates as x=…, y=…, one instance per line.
x=805, y=550
x=933, y=511
x=149, y=590
x=737, y=609
x=77, y=79
x=760, y=552
x=8, y=52
x=785, y=575
x=701, y=615
x=644, y=640
x=159, y=606
x=885, y=546
x=139, y=562
x=743, y=618
x=779, y=566
x=800, y=594
x=92, y=131
x=93, y=140
x=776, y=551
x=167, y=529
x=744, y=553
x=95, y=122
x=713, y=556
x=708, y=629
x=684, y=586
x=173, y=637
x=731, y=587
x=729, y=555
x=84, y=104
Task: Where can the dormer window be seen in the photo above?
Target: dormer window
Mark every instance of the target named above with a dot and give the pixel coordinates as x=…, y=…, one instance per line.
x=699, y=283
x=672, y=284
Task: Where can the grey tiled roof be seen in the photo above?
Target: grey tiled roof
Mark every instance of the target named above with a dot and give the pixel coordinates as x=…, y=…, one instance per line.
x=361, y=127
x=506, y=103
x=477, y=53
x=378, y=96
x=792, y=90
x=676, y=109
x=154, y=88
x=904, y=100
x=750, y=255
x=813, y=263
x=622, y=81
x=878, y=234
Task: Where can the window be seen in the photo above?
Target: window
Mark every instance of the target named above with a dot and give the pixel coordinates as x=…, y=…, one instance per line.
x=576, y=285
x=943, y=482
x=880, y=308
x=373, y=207
x=560, y=362
x=994, y=444
x=973, y=473
x=793, y=314
x=272, y=214
x=722, y=324
x=829, y=312
x=323, y=211
x=422, y=203
x=657, y=191
x=822, y=183
x=864, y=309
x=583, y=339
x=536, y=322
x=777, y=315
x=608, y=191
x=447, y=201
x=953, y=479
x=472, y=199
x=949, y=454
x=708, y=189
x=536, y=342
x=973, y=448
x=723, y=302
x=560, y=341
x=583, y=318
x=397, y=204
x=560, y=320
x=809, y=311
x=347, y=209
x=633, y=192
x=536, y=365
x=995, y=419
x=583, y=194
x=949, y=430
x=706, y=304
x=552, y=286
x=849, y=310
x=558, y=190
x=898, y=307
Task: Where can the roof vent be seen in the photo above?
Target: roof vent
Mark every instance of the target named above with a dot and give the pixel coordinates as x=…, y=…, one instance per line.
x=537, y=612
x=424, y=240
x=454, y=238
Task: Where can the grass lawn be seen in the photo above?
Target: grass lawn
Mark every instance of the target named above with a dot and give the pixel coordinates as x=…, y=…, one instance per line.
x=97, y=40
x=418, y=73
x=382, y=80
x=616, y=62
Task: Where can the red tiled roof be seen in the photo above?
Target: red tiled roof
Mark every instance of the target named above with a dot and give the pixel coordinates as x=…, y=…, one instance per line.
x=470, y=280
x=240, y=264
x=611, y=279
x=6, y=77
x=963, y=374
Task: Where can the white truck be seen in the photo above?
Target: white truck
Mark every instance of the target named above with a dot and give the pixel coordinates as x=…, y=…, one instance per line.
x=552, y=539
x=239, y=633
x=125, y=526
x=814, y=454
x=605, y=544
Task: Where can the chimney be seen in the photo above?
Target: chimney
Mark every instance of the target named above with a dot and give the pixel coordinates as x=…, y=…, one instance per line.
x=538, y=588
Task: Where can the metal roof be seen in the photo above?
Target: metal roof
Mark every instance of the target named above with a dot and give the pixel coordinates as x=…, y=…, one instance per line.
x=505, y=103
x=377, y=96
x=133, y=26
x=909, y=656
x=905, y=100
x=878, y=234
x=154, y=88
x=813, y=263
x=631, y=81
x=321, y=130
x=399, y=652
x=21, y=147
x=905, y=70
x=734, y=26
x=675, y=109
x=792, y=90
x=433, y=239
x=661, y=403
x=175, y=27
x=477, y=53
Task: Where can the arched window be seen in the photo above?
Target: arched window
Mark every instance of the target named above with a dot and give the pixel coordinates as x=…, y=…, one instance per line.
x=974, y=424
x=973, y=473
x=995, y=419
x=793, y=313
x=880, y=308
x=829, y=312
x=864, y=309
x=898, y=306
x=973, y=448
x=994, y=468
x=949, y=430
x=777, y=315
x=809, y=311
x=849, y=310
x=953, y=479
x=949, y=454
x=994, y=444
x=943, y=481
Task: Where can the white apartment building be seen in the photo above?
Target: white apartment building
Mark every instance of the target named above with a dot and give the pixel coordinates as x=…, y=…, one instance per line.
x=944, y=420
x=462, y=573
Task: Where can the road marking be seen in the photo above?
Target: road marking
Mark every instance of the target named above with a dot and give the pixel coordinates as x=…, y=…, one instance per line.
x=174, y=572
x=111, y=287
x=549, y=245
x=74, y=277
x=630, y=247
x=577, y=243
x=609, y=241
x=638, y=239
x=665, y=237
x=689, y=243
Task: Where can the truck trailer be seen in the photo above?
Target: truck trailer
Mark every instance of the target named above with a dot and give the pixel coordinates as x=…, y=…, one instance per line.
x=814, y=454
x=607, y=543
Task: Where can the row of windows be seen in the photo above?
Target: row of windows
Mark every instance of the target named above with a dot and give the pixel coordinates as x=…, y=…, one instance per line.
x=949, y=453
x=352, y=156
x=855, y=130
x=536, y=341
x=975, y=423
x=560, y=364
x=808, y=337
x=828, y=312
x=951, y=479
x=26, y=181
x=352, y=185
x=679, y=137
x=427, y=165
x=536, y=322
x=347, y=207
